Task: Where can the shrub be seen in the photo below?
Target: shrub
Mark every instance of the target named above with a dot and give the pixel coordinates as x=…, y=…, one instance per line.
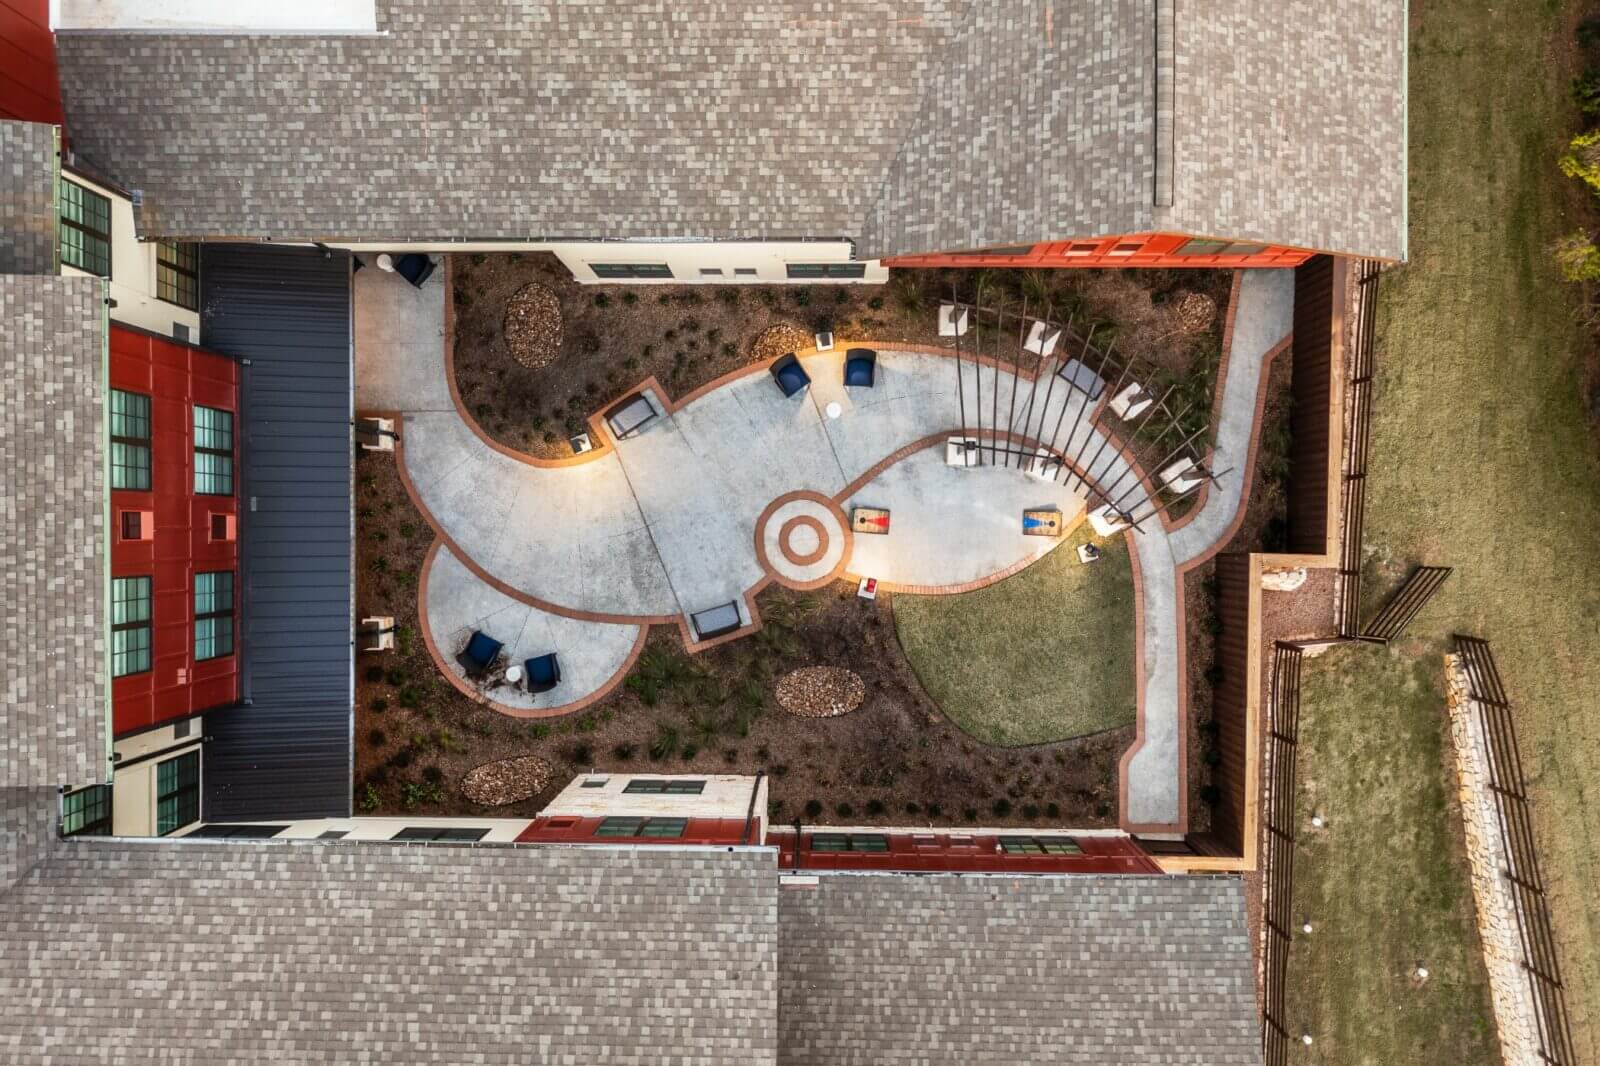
x=688, y=752
x=876, y=303
x=602, y=300
x=622, y=752
x=1052, y=811
x=970, y=814
x=1582, y=159
x=729, y=348
x=396, y=677
x=844, y=810
x=581, y=753
x=380, y=705
x=728, y=296
x=690, y=325
x=730, y=755
x=934, y=810
x=410, y=698
x=813, y=808
x=630, y=297
x=402, y=758
x=1586, y=91
x=802, y=297
x=907, y=292
x=540, y=730
x=1578, y=257
x=874, y=806
x=1001, y=807
x=665, y=743
x=377, y=738
x=1030, y=812
x=374, y=674
x=369, y=799
x=432, y=774
x=779, y=769
x=378, y=774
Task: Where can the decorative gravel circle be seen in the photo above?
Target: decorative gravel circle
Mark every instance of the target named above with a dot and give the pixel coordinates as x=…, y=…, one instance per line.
x=781, y=339
x=533, y=326
x=1195, y=312
x=494, y=784
x=821, y=691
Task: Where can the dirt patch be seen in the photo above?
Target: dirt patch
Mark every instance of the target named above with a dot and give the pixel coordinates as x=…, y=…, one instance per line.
x=495, y=784
x=895, y=760
x=615, y=336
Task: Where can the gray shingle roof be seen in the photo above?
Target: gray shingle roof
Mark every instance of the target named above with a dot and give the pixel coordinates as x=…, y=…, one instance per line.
x=27, y=198
x=53, y=683
x=1008, y=970
x=917, y=126
x=342, y=953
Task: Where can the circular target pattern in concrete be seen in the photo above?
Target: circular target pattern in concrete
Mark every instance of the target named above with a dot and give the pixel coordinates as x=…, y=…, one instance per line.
x=803, y=540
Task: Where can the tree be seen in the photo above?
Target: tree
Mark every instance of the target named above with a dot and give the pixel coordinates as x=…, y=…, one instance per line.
x=1578, y=257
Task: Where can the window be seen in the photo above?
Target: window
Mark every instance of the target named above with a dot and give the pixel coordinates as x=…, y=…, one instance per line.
x=177, y=792
x=213, y=615
x=827, y=270
x=711, y=272
x=132, y=525
x=653, y=828
x=178, y=274
x=333, y=834
x=130, y=441
x=875, y=842
x=85, y=229
x=744, y=272
x=595, y=782
x=213, y=451
x=1040, y=846
x=457, y=834
x=1201, y=247
x=631, y=270
x=130, y=625
x=238, y=832
x=653, y=787
x=87, y=812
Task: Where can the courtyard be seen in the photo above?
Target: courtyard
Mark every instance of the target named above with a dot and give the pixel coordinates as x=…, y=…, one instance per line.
x=741, y=508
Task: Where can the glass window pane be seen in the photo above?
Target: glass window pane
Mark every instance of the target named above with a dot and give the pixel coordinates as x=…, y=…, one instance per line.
x=130, y=415
x=619, y=827
x=664, y=827
x=1201, y=247
x=213, y=637
x=862, y=842
x=130, y=467
x=213, y=428
x=213, y=474
x=830, y=842
x=177, y=792
x=806, y=270
x=130, y=600
x=84, y=229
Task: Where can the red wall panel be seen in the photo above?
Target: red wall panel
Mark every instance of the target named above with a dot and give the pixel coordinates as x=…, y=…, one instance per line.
x=30, y=89
x=175, y=377
x=1133, y=250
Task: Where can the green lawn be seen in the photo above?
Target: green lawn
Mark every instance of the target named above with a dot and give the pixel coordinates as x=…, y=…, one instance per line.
x=1481, y=460
x=1384, y=883
x=1044, y=655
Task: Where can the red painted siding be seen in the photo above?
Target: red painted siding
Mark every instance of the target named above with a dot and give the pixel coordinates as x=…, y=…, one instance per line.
x=1132, y=250
x=30, y=89
x=946, y=851
x=175, y=377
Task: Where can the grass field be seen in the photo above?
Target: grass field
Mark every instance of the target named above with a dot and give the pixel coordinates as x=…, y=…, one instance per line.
x=1044, y=655
x=1482, y=460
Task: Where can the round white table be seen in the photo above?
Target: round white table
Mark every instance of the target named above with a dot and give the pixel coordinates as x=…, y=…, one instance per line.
x=834, y=409
x=514, y=675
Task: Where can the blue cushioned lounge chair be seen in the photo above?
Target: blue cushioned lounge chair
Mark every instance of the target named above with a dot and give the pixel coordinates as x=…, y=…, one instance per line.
x=479, y=655
x=860, y=368
x=542, y=673
x=790, y=375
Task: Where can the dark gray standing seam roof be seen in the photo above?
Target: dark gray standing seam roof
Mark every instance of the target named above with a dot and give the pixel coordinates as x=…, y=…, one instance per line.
x=287, y=754
x=1000, y=971
x=334, y=952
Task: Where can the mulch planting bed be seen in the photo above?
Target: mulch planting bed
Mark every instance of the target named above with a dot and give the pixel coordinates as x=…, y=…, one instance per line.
x=894, y=760
x=614, y=336
x=495, y=784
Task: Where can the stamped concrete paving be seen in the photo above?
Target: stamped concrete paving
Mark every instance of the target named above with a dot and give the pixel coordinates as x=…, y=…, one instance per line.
x=590, y=654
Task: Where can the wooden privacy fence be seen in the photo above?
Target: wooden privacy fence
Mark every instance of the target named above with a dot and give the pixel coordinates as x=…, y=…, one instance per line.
x=1277, y=860
x=1532, y=909
x=1359, y=431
